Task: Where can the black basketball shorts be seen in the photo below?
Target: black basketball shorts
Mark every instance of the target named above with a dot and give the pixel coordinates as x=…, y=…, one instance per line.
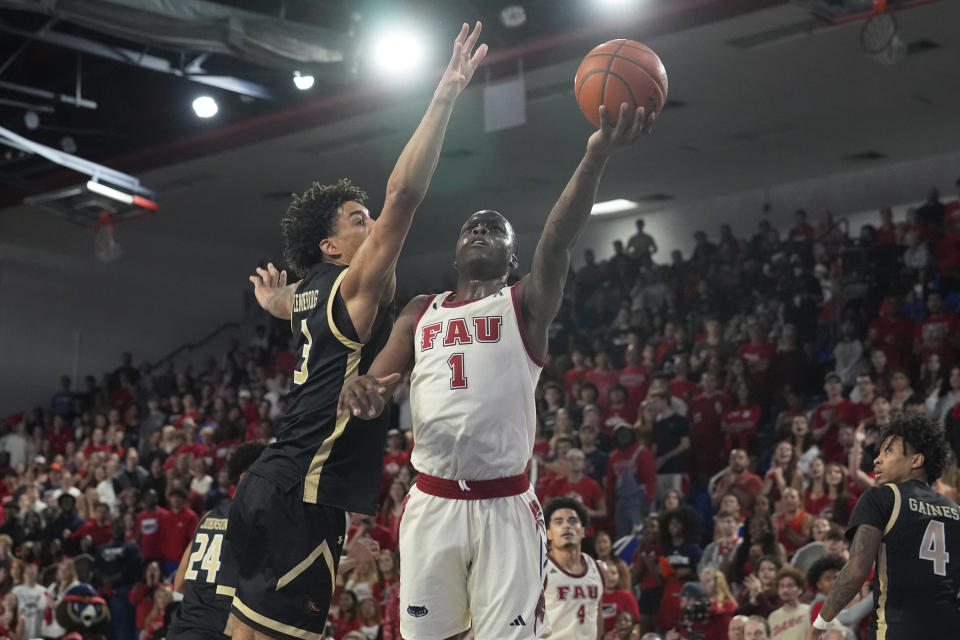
x=287, y=552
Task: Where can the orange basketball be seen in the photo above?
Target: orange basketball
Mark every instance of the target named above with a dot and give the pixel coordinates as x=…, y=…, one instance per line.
x=616, y=72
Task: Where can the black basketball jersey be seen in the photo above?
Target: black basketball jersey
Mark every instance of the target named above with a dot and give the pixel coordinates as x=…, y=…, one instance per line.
x=337, y=461
x=916, y=581
x=210, y=579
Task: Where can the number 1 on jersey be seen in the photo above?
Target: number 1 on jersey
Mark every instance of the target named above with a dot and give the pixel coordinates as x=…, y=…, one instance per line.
x=933, y=547
x=457, y=379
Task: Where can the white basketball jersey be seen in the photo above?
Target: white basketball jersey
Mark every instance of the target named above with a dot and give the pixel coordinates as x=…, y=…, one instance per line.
x=471, y=389
x=572, y=601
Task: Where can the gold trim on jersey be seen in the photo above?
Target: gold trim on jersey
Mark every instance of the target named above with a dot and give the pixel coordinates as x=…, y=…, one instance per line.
x=274, y=624
x=322, y=550
x=882, y=600
x=896, y=508
x=311, y=483
x=347, y=342
x=223, y=590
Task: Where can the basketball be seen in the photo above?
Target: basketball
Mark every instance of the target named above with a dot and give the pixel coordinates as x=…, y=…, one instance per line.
x=620, y=71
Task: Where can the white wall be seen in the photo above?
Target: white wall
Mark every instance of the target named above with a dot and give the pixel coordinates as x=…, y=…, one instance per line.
x=857, y=195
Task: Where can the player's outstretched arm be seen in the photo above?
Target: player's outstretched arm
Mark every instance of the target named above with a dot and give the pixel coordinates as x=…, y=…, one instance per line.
x=366, y=396
x=371, y=269
x=863, y=552
x=272, y=291
x=542, y=289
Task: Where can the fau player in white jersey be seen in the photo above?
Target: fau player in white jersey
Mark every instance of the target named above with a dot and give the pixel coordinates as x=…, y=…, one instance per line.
x=472, y=537
x=574, y=591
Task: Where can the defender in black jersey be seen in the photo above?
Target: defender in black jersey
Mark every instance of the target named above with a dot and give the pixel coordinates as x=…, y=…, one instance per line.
x=913, y=534
x=288, y=519
x=207, y=576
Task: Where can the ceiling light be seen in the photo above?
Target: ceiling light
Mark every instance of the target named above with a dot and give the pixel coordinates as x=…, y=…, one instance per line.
x=31, y=120
x=612, y=206
x=110, y=192
x=513, y=16
x=398, y=52
x=301, y=81
x=614, y=3
x=205, y=107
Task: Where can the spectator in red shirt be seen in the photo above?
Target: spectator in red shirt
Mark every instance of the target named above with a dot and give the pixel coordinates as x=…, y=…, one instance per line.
x=631, y=482
x=939, y=333
x=802, y=230
x=738, y=480
x=141, y=596
x=603, y=375
x=866, y=393
x=177, y=528
x=396, y=455
x=574, y=484
x=150, y=527
x=893, y=332
x=758, y=354
x=615, y=599
x=364, y=525
x=826, y=419
x=706, y=411
x=578, y=372
x=619, y=410
x=635, y=377
x=98, y=528
x=740, y=421
x=680, y=386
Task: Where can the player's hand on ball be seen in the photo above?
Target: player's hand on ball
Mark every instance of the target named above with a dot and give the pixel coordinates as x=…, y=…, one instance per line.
x=267, y=282
x=363, y=397
x=630, y=127
x=463, y=62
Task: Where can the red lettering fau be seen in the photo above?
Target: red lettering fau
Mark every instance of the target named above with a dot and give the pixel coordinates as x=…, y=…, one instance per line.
x=488, y=328
x=457, y=333
x=578, y=592
x=429, y=335
x=562, y=593
x=594, y=592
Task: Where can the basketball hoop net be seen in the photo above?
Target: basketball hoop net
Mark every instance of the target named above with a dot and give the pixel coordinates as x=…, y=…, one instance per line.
x=105, y=247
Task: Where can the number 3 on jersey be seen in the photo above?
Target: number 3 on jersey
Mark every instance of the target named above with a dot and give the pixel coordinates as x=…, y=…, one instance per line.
x=457, y=379
x=208, y=554
x=933, y=547
x=300, y=375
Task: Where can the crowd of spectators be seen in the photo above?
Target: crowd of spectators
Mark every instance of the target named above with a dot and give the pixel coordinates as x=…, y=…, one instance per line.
x=717, y=414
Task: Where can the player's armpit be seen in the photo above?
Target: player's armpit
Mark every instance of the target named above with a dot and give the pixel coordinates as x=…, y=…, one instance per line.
x=396, y=357
x=863, y=552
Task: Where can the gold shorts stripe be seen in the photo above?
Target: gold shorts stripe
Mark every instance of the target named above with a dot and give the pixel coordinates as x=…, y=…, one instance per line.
x=223, y=590
x=896, y=508
x=322, y=550
x=273, y=624
x=347, y=342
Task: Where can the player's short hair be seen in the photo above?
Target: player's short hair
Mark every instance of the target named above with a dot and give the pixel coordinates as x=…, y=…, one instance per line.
x=921, y=435
x=312, y=217
x=794, y=574
x=821, y=566
x=177, y=491
x=556, y=504
x=241, y=459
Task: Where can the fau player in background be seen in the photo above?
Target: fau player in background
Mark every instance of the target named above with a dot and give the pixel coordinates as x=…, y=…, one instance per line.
x=574, y=592
x=472, y=524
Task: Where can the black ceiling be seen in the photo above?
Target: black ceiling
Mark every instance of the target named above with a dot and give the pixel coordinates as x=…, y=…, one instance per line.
x=143, y=118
